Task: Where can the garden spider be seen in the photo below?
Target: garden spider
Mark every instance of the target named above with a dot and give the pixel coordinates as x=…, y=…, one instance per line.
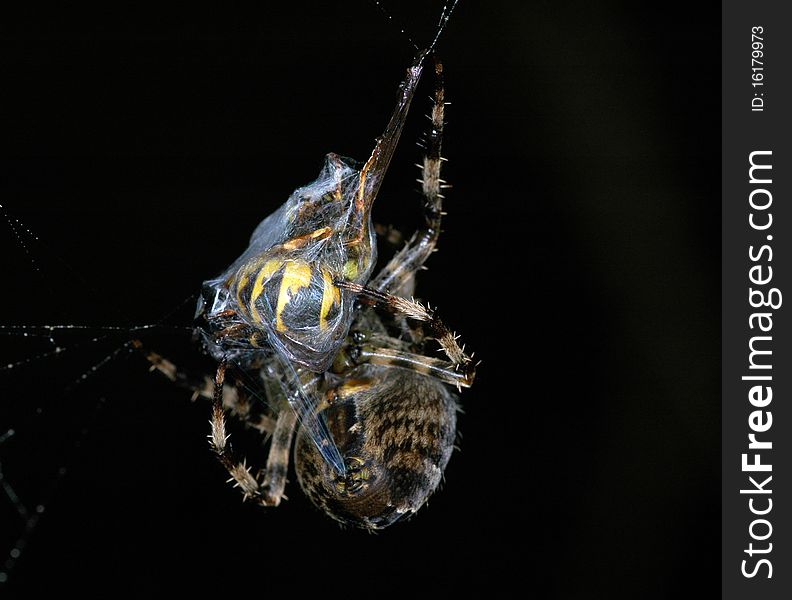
x=296, y=315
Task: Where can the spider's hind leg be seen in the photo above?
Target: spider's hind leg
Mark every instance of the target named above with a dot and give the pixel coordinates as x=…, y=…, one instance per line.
x=235, y=399
x=398, y=276
x=266, y=490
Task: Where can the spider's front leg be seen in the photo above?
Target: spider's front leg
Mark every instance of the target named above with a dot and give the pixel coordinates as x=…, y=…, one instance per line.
x=415, y=311
x=365, y=349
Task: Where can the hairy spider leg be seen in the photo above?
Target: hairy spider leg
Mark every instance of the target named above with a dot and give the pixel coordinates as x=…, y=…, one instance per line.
x=268, y=488
x=235, y=400
x=445, y=371
x=218, y=440
x=417, y=312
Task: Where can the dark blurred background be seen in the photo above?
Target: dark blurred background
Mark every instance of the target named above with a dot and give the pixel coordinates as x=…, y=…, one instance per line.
x=580, y=260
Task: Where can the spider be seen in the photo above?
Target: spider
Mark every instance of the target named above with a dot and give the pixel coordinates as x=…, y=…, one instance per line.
x=340, y=356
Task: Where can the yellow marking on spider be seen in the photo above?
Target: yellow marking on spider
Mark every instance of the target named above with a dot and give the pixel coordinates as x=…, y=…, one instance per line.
x=296, y=276
x=353, y=386
x=331, y=296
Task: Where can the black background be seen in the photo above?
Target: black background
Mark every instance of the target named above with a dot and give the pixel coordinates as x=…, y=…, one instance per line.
x=580, y=260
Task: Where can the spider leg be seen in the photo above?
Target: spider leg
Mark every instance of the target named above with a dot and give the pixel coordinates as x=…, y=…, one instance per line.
x=445, y=371
x=269, y=492
x=235, y=400
x=225, y=397
x=218, y=439
x=274, y=480
x=399, y=274
x=417, y=312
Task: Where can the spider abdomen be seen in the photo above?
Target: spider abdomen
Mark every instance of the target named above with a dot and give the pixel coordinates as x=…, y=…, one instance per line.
x=396, y=430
